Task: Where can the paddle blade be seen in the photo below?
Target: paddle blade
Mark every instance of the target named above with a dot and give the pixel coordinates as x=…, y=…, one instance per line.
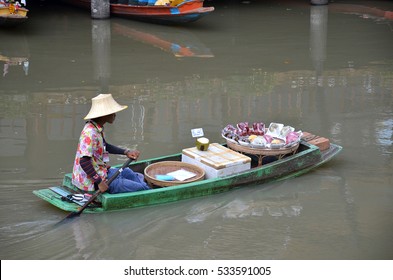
x=72, y=215
x=68, y=217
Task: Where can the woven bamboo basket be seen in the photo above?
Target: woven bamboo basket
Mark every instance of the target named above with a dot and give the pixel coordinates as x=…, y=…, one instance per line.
x=165, y=167
x=259, y=151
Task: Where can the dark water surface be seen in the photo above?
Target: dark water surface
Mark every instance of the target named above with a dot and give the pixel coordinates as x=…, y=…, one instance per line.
x=323, y=69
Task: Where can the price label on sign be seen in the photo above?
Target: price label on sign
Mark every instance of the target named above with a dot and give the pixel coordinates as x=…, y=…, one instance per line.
x=197, y=132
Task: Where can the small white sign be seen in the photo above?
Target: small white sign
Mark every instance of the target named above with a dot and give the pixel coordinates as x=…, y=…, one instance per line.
x=197, y=132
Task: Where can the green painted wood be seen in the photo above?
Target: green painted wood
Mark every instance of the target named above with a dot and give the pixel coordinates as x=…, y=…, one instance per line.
x=307, y=158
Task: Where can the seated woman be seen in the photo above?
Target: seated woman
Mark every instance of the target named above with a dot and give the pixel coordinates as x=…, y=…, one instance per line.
x=91, y=170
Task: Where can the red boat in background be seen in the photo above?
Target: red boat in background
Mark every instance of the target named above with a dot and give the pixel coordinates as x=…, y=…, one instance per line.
x=163, y=12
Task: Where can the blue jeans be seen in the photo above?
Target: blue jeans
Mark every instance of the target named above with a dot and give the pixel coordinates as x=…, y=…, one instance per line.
x=126, y=181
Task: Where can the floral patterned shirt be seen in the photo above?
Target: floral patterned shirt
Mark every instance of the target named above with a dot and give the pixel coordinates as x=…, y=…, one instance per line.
x=91, y=144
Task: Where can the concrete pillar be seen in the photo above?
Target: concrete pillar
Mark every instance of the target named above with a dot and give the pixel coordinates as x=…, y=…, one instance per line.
x=101, y=50
x=318, y=36
x=318, y=52
x=319, y=2
x=100, y=9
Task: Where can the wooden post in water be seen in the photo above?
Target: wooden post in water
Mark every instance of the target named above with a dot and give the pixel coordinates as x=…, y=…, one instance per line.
x=101, y=51
x=100, y=9
x=318, y=36
x=319, y=2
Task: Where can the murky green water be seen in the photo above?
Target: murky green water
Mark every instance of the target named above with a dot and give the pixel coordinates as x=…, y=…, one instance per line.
x=327, y=70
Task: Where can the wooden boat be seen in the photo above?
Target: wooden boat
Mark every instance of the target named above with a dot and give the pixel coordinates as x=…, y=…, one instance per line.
x=11, y=15
x=306, y=158
x=184, y=12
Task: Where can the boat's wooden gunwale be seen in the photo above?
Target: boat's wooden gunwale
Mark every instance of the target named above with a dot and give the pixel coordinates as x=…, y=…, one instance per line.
x=20, y=12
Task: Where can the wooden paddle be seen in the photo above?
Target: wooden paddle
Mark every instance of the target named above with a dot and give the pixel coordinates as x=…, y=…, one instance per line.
x=94, y=196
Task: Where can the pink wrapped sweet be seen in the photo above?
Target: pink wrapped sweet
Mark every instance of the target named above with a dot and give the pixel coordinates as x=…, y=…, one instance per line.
x=268, y=138
x=292, y=137
x=258, y=128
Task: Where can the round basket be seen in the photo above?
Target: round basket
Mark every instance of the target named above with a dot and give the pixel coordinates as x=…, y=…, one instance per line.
x=259, y=151
x=165, y=167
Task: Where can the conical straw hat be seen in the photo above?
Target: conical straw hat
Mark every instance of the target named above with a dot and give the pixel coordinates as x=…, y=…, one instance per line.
x=103, y=105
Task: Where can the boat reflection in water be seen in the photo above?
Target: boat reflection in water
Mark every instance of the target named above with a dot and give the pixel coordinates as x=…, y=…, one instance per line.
x=180, y=42
x=14, y=53
x=365, y=11
x=14, y=61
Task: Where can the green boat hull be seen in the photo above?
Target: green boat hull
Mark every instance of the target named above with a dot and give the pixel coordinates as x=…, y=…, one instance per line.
x=305, y=159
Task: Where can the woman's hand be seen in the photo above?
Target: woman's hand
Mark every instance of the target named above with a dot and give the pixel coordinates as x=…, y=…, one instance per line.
x=132, y=154
x=103, y=186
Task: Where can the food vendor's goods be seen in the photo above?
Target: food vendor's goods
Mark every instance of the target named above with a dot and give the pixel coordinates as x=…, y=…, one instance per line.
x=275, y=129
x=258, y=136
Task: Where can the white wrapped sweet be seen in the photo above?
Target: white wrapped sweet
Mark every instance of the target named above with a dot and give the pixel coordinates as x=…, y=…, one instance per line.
x=274, y=129
x=259, y=141
x=285, y=131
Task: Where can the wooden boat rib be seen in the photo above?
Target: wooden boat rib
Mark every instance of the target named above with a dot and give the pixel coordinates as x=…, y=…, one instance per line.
x=305, y=159
x=187, y=11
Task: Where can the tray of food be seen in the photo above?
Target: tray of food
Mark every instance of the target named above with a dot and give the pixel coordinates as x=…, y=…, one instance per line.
x=276, y=136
